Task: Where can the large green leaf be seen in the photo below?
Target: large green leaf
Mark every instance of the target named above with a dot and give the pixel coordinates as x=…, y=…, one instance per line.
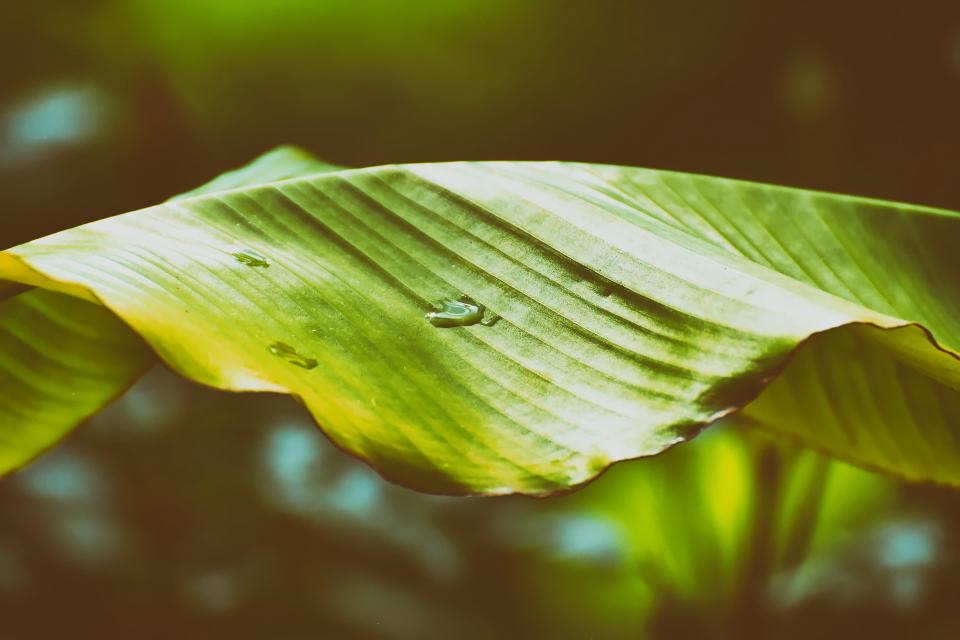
x=635, y=307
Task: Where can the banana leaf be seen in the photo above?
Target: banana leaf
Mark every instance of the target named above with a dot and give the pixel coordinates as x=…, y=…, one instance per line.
x=499, y=327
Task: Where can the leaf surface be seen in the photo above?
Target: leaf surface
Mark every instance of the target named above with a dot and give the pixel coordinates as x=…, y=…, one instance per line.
x=623, y=309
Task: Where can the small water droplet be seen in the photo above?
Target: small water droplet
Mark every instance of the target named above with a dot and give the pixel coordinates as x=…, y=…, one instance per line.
x=462, y=312
x=251, y=258
x=492, y=320
x=288, y=353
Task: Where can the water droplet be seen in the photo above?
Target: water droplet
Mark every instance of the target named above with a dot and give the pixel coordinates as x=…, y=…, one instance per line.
x=288, y=353
x=251, y=258
x=462, y=312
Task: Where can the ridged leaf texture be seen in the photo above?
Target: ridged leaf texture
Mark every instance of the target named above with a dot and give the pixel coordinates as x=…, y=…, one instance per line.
x=605, y=313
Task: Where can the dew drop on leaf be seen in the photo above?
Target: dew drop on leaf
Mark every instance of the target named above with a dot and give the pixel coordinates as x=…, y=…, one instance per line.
x=251, y=258
x=288, y=353
x=462, y=312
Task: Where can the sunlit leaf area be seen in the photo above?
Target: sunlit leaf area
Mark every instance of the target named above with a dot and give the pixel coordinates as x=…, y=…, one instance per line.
x=466, y=331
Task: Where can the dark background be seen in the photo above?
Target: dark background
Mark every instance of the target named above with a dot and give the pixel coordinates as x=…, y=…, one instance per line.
x=182, y=512
x=850, y=96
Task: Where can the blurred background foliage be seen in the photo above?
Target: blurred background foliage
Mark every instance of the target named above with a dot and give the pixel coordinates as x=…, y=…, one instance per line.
x=183, y=512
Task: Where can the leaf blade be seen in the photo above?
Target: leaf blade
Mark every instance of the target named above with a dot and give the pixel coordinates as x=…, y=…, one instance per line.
x=61, y=360
x=626, y=323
